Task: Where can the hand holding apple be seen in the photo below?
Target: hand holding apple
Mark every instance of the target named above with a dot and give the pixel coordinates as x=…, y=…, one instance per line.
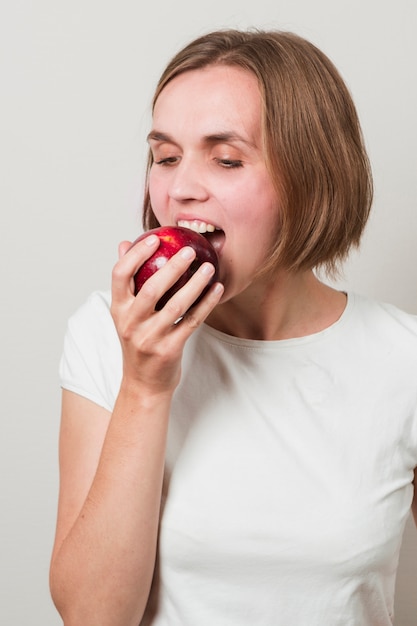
x=172, y=239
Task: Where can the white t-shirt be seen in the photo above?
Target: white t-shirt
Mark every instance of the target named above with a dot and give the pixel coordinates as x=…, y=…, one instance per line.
x=289, y=467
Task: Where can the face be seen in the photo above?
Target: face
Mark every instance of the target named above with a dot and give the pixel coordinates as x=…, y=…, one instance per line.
x=209, y=172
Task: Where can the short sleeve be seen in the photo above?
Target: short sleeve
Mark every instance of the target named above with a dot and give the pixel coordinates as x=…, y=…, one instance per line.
x=91, y=363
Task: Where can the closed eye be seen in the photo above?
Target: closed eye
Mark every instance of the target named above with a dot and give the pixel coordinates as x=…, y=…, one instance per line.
x=167, y=161
x=230, y=163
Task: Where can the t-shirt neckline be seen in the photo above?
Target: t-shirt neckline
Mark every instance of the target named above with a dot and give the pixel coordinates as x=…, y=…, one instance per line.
x=278, y=343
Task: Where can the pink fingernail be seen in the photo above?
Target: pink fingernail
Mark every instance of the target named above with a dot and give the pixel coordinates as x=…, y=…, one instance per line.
x=187, y=253
x=207, y=269
x=151, y=240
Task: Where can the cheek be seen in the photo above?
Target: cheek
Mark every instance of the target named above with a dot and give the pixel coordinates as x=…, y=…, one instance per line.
x=157, y=194
x=259, y=214
x=154, y=186
x=260, y=228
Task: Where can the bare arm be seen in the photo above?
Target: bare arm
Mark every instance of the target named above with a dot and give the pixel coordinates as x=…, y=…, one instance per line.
x=112, y=466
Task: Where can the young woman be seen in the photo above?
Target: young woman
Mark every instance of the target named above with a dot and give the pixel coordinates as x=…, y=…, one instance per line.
x=253, y=463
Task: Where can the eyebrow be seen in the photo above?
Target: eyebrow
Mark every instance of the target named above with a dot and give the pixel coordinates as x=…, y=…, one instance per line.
x=155, y=135
x=223, y=137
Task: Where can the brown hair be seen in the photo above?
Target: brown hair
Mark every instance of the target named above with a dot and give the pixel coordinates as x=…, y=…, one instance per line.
x=311, y=136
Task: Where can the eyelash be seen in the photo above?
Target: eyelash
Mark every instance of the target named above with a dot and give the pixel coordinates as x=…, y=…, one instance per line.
x=167, y=161
x=230, y=163
x=226, y=163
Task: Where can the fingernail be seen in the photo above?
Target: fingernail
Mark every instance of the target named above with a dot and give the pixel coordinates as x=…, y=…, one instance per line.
x=187, y=253
x=207, y=269
x=151, y=240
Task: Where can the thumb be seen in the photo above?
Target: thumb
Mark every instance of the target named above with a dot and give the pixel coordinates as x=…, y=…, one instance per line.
x=124, y=246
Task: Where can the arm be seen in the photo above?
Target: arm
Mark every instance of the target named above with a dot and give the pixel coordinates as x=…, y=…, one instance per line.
x=111, y=466
x=414, y=504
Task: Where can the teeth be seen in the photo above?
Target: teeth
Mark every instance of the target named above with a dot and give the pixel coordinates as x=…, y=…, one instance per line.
x=197, y=226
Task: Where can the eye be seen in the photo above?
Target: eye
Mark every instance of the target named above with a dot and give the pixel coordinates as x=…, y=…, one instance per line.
x=230, y=163
x=166, y=161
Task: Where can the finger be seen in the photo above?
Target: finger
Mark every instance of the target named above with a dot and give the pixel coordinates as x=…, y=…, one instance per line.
x=124, y=246
x=196, y=315
x=131, y=258
x=161, y=282
x=189, y=294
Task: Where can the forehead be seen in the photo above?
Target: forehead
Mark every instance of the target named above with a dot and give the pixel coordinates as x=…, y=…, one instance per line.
x=216, y=98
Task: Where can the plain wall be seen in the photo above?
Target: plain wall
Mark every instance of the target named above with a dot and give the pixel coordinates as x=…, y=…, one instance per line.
x=76, y=81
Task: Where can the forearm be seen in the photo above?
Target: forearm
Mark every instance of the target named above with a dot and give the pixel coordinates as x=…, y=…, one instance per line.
x=111, y=482
x=101, y=573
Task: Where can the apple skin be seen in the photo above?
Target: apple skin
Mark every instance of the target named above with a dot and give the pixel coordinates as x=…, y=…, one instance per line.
x=172, y=239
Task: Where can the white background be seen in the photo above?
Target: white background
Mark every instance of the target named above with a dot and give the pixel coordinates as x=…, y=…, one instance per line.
x=76, y=82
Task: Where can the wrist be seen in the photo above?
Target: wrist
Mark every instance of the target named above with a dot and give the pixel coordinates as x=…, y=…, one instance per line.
x=139, y=394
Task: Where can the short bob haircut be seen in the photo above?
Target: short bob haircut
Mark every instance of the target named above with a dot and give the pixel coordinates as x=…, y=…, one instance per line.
x=312, y=141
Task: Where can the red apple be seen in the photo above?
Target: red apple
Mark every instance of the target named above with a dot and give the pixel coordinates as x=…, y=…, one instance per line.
x=172, y=239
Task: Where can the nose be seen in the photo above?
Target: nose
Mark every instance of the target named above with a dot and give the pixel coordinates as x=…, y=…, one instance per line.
x=188, y=182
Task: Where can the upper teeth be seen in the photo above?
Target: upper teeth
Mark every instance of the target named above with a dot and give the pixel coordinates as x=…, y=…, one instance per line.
x=197, y=226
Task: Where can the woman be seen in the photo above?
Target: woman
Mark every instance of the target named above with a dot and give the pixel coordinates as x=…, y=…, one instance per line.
x=254, y=463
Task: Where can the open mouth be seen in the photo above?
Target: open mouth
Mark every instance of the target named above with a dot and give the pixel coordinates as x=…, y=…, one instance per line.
x=211, y=232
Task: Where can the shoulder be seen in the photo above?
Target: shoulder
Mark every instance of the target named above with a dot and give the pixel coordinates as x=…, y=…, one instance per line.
x=384, y=316
x=92, y=326
x=96, y=308
x=384, y=327
x=92, y=322
x=91, y=361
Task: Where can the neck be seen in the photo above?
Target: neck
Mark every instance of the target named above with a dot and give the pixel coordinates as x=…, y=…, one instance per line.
x=286, y=307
